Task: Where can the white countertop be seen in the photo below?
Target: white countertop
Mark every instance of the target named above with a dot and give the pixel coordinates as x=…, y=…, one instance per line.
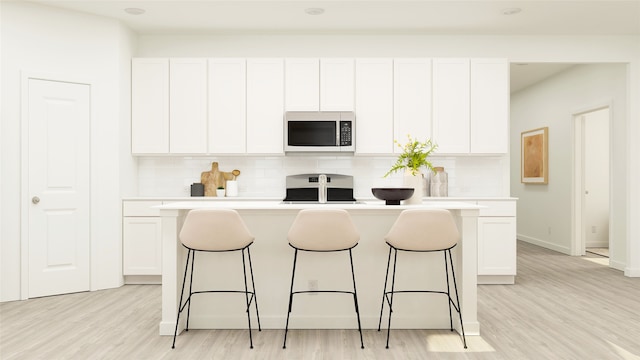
x=278, y=205
x=272, y=198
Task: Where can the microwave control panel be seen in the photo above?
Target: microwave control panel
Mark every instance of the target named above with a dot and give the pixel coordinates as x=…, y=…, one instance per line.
x=345, y=133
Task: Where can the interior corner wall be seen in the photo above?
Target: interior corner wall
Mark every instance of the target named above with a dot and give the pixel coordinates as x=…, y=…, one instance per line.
x=45, y=40
x=545, y=211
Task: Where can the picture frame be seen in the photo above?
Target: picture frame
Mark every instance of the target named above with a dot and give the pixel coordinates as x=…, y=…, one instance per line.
x=534, y=156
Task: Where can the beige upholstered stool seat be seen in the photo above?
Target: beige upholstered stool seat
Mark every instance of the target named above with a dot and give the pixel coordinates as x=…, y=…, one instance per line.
x=323, y=230
x=216, y=230
x=423, y=230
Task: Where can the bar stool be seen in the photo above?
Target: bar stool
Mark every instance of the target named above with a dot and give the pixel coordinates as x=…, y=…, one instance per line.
x=323, y=230
x=422, y=230
x=216, y=230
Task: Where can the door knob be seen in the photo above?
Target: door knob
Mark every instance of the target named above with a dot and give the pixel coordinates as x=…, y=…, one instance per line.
x=35, y=200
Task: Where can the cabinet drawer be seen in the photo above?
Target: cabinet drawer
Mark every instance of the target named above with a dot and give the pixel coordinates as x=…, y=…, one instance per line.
x=497, y=208
x=140, y=208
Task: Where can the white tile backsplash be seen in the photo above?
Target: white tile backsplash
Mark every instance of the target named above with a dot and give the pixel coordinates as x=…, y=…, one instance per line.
x=471, y=176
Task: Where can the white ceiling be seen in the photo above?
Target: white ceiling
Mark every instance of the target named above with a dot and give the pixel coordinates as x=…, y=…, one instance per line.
x=476, y=17
x=538, y=17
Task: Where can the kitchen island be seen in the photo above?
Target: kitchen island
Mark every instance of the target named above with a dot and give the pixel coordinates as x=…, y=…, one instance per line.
x=269, y=222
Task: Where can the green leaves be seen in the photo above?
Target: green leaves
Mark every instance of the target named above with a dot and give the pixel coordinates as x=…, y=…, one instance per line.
x=414, y=155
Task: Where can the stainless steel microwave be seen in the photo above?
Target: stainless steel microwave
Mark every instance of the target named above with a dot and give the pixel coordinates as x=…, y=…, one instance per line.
x=319, y=131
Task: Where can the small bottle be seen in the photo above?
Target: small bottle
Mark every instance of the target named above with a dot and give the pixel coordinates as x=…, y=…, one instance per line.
x=439, y=183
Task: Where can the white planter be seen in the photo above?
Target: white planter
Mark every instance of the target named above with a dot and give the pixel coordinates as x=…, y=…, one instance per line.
x=417, y=183
x=220, y=192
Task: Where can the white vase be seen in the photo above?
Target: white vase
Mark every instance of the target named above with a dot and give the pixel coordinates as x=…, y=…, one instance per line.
x=417, y=183
x=232, y=188
x=439, y=183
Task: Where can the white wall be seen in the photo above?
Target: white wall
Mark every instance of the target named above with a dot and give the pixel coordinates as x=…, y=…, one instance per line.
x=545, y=211
x=49, y=41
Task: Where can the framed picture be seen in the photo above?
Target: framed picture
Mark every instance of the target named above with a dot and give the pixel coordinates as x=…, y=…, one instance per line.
x=534, y=158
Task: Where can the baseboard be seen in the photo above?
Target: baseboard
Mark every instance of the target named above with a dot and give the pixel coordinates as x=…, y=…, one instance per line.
x=597, y=244
x=143, y=279
x=544, y=244
x=632, y=272
x=496, y=279
x=617, y=265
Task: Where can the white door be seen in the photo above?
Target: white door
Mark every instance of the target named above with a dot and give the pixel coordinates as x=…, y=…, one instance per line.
x=596, y=178
x=58, y=187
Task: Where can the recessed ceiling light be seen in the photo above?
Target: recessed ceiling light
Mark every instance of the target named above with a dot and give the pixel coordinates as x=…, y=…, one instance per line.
x=511, y=11
x=134, y=11
x=314, y=11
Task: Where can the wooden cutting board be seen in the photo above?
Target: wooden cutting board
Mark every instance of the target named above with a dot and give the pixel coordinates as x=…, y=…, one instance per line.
x=214, y=178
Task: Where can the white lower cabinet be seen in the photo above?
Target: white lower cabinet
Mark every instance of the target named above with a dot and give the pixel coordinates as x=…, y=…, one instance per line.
x=142, y=241
x=497, y=242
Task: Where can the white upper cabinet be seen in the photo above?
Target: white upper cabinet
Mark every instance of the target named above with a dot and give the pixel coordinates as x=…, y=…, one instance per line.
x=265, y=106
x=337, y=84
x=227, y=106
x=489, y=106
x=302, y=84
x=451, y=105
x=188, y=106
x=374, y=106
x=149, y=106
x=411, y=100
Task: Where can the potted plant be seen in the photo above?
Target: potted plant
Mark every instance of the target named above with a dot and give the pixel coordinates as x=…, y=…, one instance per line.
x=220, y=191
x=415, y=155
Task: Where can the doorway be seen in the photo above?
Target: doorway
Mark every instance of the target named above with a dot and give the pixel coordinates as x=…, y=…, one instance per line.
x=592, y=182
x=56, y=187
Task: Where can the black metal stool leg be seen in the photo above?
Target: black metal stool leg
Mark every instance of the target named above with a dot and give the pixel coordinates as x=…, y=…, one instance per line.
x=446, y=274
x=455, y=287
x=193, y=260
x=355, y=299
x=293, y=274
x=253, y=286
x=393, y=282
x=246, y=295
x=184, y=279
x=384, y=290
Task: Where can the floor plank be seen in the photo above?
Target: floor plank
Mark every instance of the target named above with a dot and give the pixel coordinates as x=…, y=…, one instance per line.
x=561, y=307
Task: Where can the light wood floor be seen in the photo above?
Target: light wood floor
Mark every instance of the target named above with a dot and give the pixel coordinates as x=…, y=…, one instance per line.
x=561, y=307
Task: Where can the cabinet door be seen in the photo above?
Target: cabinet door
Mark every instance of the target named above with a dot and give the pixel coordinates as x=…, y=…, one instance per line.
x=489, y=106
x=374, y=106
x=451, y=105
x=302, y=84
x=411, y=100
x=150, y=106
x=265, y=106
x=142, y=246
x=336, y=84
x=188, y=106
x=496, y=246
x=227, y=106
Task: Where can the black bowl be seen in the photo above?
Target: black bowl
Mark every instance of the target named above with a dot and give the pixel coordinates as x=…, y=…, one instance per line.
x=392, y=196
